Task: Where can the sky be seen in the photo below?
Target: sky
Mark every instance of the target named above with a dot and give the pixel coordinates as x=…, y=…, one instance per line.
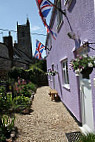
x=12, y=11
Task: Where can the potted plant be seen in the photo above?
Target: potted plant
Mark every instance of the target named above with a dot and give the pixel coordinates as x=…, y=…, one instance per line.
x=83, y=64
x=51, y=72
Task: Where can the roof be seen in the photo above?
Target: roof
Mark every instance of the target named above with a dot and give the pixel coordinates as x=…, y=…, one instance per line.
x=21, y=56
x=4, y=50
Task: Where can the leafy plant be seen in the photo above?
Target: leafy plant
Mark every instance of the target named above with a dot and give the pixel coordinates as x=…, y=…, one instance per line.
x=31, y=86
x=5, y=100
x=25, y=92
x=2, y=91
x=20, y=103
x=41, y=64
x=6, y=126
x=90, y=137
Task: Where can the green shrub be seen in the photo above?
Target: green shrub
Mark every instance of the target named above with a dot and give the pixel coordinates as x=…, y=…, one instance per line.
x=37, y=76
x=20, y=103
x=31, y=86
x=5, y=100
x=15, y=72
x=21, y=100
x=22, y=88
x=25, y=92
x=90, y=137
x=41, y=64
x=2, y=91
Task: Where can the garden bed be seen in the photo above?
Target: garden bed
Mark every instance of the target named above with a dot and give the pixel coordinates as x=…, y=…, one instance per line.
x=17, y=100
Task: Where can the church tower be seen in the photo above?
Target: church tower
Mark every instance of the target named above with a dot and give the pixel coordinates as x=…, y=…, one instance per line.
x=24, y=38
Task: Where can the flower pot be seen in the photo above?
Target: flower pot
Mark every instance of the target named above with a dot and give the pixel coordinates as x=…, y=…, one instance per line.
x=76, y=74
x=86, y=72
x=53, y=74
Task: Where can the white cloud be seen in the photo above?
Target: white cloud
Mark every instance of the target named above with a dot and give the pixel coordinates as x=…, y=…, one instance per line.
x=35, y=28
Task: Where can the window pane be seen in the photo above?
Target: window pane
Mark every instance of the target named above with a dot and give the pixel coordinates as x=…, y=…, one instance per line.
x=65, y=72
x=59, y=14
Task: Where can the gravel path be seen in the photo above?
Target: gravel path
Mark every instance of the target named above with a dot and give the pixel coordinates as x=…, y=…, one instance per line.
x=48, y=122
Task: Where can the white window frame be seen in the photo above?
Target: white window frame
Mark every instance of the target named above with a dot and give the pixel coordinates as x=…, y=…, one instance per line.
x=65, y=75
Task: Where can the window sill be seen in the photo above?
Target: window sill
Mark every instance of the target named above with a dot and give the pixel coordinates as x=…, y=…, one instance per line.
x=49, y=80
x=67, y=86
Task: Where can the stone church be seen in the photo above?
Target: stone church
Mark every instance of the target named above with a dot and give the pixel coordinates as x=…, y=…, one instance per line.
x=23, y=47
x=19, y=54
x=24, y=38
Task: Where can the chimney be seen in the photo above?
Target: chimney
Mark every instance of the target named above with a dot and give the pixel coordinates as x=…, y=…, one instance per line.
x=9, y=43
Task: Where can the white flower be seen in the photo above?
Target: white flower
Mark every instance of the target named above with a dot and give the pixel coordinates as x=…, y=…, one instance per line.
x=77, y=71
x=85, y=55
x=90, y=64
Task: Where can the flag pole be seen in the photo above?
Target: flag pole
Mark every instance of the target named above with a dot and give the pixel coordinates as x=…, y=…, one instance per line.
x=62, y=11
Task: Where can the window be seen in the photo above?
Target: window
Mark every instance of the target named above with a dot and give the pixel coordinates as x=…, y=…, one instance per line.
x=59, y=15
x=65, y=74
x=52, y=67
x=67, y=2
x=53, y=78
x=49, y=45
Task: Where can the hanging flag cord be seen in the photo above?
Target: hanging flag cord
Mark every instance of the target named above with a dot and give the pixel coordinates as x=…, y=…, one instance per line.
x=86, y=44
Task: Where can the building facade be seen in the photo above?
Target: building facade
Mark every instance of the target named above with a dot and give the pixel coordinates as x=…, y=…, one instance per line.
x=73, y=28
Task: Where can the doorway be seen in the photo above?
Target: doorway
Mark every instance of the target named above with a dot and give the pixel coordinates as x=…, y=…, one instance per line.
x=86, y=104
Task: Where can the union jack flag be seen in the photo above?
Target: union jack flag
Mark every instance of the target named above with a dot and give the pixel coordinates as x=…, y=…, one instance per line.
x=44, y=7
x=50, y=31
x=39, y=49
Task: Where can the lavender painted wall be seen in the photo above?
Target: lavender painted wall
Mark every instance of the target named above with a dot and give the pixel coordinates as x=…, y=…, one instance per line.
x=82, y=20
